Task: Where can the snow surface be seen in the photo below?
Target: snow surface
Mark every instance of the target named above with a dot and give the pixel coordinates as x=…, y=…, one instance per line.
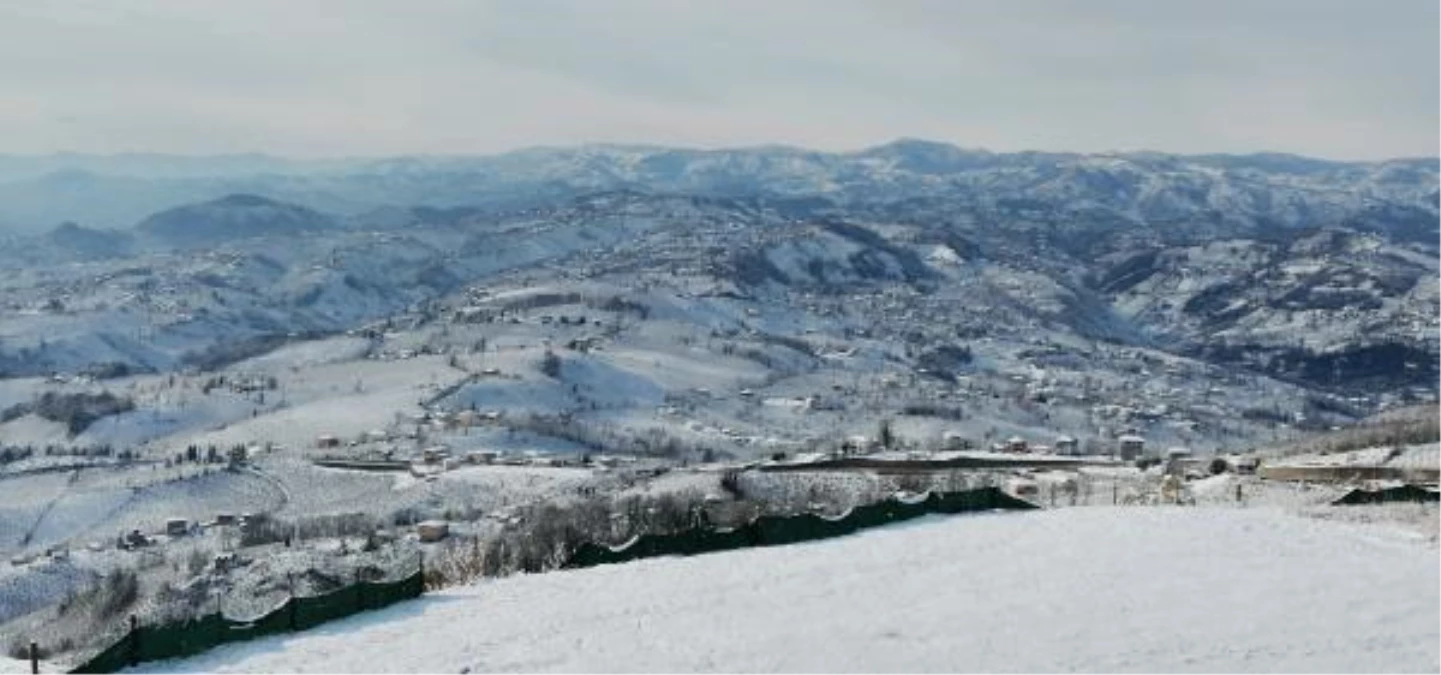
x=1097, y=589
x=306, y=353
x=33, y=430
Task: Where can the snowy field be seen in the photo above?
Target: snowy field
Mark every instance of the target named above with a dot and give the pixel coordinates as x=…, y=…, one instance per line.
x=1090, y=590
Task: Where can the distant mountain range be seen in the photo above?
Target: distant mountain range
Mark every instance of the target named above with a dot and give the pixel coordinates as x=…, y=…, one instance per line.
x=1262, y=190
x=1323, y=274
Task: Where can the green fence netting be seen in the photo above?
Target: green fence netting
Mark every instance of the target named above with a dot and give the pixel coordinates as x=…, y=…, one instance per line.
x=113, y=659
x=706, y=540
x=1400, y=493
x=276, y=621
x=592, y=554
x=999, y=499
x=780, y=530
x=311, y=612
x=168, y=641
x=173, y=640
x=961, y=502
x=901, y=508
x=870, y=515
x=653, y=545
x=375, y=595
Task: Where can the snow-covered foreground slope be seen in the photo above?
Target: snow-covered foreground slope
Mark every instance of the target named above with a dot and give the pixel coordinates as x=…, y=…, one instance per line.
x=1097, y=589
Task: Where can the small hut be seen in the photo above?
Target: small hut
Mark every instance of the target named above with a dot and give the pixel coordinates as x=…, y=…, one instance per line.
x=1177, y=460
x=1131, y=447
x=432, y=530
x=954, y=440
x=435, y=454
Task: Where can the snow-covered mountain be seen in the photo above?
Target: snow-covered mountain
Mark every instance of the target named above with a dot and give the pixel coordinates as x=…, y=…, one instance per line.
x=1048, y=291
x=610, y=323
x=1342, y=306
x=231, y=217
x=1254, y=190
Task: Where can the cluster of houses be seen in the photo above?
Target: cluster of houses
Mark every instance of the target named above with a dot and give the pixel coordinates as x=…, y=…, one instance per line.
x=442, y=457
x=412, y=424
x=1129, y=447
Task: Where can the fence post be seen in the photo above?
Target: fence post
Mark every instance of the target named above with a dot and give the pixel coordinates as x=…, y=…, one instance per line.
x=134, y=639
x=34, y=658
x=1115, y=493
x=290, y=604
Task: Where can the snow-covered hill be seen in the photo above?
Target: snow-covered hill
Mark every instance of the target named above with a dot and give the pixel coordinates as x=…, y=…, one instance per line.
x=237, y=216
x=619, y=321
x=1080, y=327
x=1072, y=590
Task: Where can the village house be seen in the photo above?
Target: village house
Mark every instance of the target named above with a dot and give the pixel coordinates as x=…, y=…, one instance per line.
x=1130, y=447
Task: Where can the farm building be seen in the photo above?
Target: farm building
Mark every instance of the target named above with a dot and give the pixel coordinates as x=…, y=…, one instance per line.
x=955, y=441
x=1130, y=447
x=435, y=453
x=1067, y=445
x=1178, y=460
x=855, y=445
x=432, y=530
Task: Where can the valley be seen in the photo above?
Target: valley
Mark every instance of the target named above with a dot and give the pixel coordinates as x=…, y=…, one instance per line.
x=649, y=327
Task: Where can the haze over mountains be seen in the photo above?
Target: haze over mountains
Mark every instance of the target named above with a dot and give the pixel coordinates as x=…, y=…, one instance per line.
x=670, y=298
x=117, y=191
x=601, y=322
x=917, y=258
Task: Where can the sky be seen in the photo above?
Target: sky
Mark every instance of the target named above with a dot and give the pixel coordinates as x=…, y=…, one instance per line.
x=1351, y=79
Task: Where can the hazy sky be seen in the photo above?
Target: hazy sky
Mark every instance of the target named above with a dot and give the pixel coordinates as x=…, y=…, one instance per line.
x=1356, y=79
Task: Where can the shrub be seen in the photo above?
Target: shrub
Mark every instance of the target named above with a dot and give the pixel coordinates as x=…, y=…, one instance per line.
x=114, y=593
x=261, y=529
x=945, y=361
x=19, y=648
x=730, y=482
x=75, y=411
x=550, y=364
x=914, y=482
x=885, y=435
x=338, y=525
x=197, y=560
